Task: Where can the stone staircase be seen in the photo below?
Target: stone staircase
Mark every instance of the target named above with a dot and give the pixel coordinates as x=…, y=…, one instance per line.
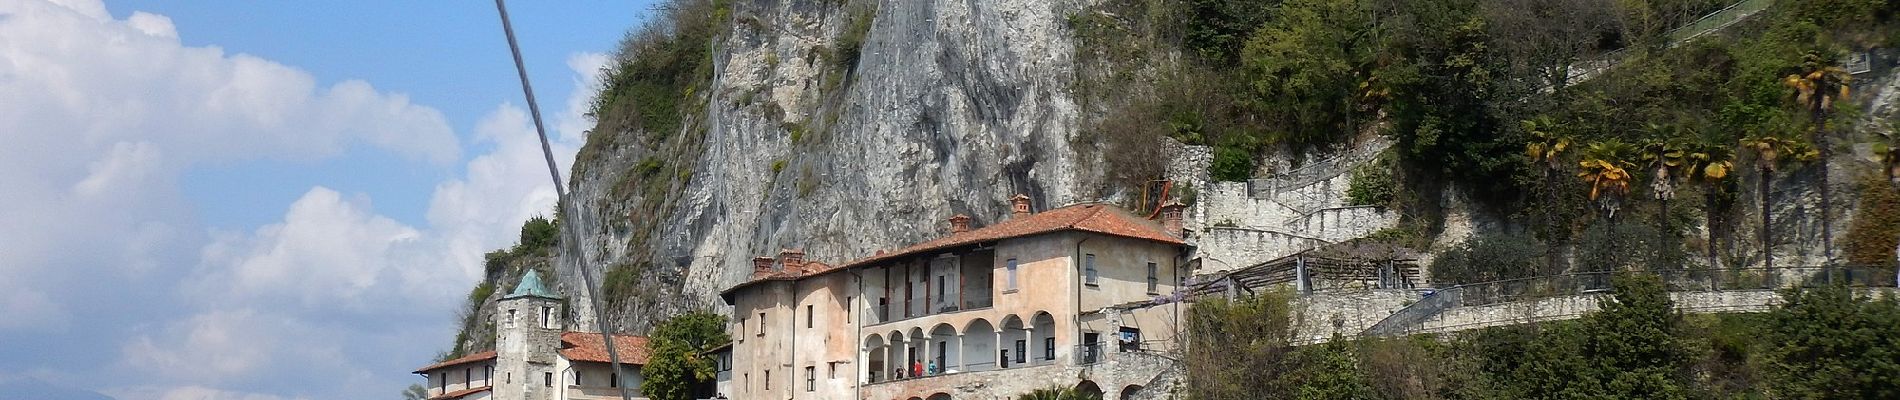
x=1245, y=223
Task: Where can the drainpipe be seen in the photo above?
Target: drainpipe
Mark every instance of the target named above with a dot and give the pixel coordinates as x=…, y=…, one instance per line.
x=857, y=335
x=791, y=380
x=1076, y=313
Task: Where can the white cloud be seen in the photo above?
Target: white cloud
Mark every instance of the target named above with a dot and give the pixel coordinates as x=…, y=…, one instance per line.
x=190, y=392
x=102, y=117
x=328, y=252
x=333, y=253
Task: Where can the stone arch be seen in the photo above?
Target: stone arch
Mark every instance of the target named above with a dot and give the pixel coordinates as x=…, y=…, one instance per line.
x=1014, y=330
x=875, y=358
x=1088, y=389
x=1044, y=344
x=978, y=350
x=1128, y=393
x=940, y=396
x=944, y=348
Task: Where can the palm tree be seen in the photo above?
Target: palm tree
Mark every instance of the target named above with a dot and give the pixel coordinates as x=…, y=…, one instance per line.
x=1605, y=168
x=1887, y=152
x=1769, y=151
x=1819, y=84
x=1548, y=147
x=1709, y=165
x=1664, y=156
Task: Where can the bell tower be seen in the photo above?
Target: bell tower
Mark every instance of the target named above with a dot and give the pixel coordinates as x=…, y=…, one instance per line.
x=529, y=323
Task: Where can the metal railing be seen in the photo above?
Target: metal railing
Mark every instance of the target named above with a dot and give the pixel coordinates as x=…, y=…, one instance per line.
x=1581, y=283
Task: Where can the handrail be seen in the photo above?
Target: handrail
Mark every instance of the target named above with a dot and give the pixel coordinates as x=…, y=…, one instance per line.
x=1580, y=283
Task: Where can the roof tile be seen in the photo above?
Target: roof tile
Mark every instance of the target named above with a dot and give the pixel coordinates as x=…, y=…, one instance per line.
x=587, y=346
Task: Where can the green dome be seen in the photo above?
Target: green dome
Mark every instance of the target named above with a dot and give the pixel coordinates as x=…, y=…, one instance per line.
x=531, y=286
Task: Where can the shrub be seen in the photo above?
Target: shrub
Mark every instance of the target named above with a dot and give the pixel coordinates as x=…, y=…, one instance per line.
x=1372, y=185
x=1876, y=225
x=1489, y=257
x=1231, y=164
x=539, y=233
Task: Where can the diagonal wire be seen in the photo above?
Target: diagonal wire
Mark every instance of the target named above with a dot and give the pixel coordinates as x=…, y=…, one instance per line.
x=569, y=238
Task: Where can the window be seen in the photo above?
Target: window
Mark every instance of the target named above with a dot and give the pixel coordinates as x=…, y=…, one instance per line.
x=847, y=308
x=940, y=292
x=768, y=379
x=834, y=369
x=808, y=316
x=1089, y=275
x=1154, y=279
x=444, y=378
x=1010, y=268
x=577, y=378
x=547, y=317
x=1049, y=348
x=811, y=379
x=613, y=379
x=468, y=375
x=547, y=379
x=748, y=381
x=740, y=330
x=511, y=318
x=1022, y=351
x=762, y=334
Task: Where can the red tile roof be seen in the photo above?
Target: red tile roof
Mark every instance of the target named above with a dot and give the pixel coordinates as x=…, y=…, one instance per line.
x=1086, y=217
x=482, y=356
x=587, y=346
x=459, y=393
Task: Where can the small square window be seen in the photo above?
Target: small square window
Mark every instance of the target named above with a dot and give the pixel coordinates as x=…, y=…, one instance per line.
x=1009, y=268
x=1090, y=276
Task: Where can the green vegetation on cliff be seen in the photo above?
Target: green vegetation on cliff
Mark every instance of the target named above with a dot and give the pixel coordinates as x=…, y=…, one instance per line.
x=1822, y=343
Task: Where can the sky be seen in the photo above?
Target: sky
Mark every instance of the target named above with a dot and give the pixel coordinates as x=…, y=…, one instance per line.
x=268, y=200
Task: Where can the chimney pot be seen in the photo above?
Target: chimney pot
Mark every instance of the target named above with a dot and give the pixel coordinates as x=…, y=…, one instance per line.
x=794, y=260
x=959, y=224
x=1019, y=206
x=1171, y=218
x=761, y=266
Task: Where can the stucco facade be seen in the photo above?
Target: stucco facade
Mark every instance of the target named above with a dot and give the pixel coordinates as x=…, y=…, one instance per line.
x=1028, y=303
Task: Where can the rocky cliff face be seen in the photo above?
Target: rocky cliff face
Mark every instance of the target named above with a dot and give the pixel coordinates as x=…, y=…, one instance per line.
x=952, y=107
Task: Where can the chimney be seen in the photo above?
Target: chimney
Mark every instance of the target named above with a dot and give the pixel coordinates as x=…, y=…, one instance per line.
x=761, y=266
x=959, y=224
x=1019, y=206
x=1171, y=218
x=794, y=260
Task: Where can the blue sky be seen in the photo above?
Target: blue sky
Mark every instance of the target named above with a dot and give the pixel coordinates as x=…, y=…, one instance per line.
x=267, y=200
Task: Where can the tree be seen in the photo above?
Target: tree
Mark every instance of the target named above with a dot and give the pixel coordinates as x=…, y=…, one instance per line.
x=1665, y=155
x=415, y=392
x=1769, y=151
x=1306, y=65
x=1832, y=343
x=1548, y=37
x=1549, y=147
x=539, y=233
x=1820, y=83
x=678, y=361
x=1605, y=167
x=1887, y=152
x=1635, y=341
x=1059, y=393
x=1709, y=166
